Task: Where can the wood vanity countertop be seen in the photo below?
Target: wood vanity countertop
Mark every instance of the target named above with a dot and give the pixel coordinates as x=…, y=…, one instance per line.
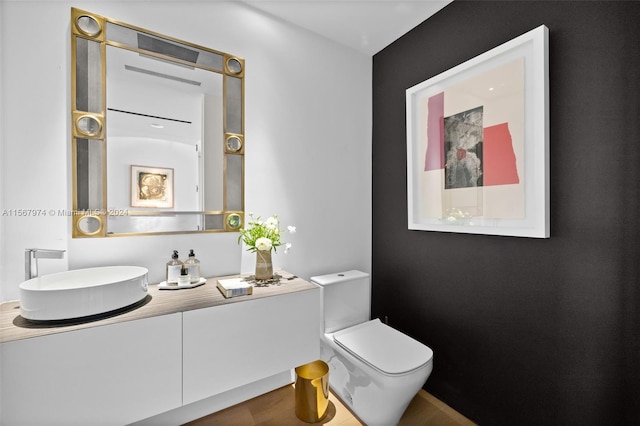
x=158, y=302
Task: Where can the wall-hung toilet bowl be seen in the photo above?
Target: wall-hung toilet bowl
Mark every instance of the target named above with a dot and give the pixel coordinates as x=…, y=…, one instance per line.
x=373, y=368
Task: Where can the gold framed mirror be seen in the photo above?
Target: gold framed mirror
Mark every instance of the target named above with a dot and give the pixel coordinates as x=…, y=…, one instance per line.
x=157, y=132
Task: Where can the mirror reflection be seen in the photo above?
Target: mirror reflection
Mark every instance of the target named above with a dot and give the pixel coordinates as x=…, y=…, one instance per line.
x=155, y=117
x=158, y=141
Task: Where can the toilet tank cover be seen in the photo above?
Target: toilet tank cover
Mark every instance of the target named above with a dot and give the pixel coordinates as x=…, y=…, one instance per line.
x=384, y=348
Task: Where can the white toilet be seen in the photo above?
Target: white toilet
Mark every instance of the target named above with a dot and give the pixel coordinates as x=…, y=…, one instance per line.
x=373, y=368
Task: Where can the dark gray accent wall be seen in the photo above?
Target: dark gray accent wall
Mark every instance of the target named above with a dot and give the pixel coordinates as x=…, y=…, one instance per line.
x=525, y=331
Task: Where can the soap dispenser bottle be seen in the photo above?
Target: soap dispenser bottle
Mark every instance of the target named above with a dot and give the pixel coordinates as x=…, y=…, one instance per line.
x=193, y=265
x=184, y=278
x=174, y=266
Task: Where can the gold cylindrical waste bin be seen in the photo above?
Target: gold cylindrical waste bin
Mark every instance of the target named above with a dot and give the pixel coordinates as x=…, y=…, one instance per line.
x=312, y=391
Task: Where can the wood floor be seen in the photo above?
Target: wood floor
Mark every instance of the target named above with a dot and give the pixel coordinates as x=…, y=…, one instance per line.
x=277, y=408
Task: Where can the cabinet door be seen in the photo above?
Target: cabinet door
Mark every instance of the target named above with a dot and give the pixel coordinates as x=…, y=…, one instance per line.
x=109, y=375
x=236, y=344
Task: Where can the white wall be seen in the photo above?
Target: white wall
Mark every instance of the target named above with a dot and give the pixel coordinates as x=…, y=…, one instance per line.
x=3, y=36
x=308, y=139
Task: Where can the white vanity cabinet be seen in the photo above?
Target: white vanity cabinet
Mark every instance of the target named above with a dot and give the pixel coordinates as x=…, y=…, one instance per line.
x=112, y=374
x=225, y=347
x=182, y=355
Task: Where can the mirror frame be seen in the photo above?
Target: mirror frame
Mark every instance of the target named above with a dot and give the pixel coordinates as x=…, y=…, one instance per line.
x=233, y=142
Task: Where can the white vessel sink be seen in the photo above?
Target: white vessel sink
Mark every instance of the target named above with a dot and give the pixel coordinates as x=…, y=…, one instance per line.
x=82, y=292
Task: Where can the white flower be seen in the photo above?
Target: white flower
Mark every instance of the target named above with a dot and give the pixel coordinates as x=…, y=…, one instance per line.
x=287, y=247
x=263, y=243
x=272, y=221
x=291, y=229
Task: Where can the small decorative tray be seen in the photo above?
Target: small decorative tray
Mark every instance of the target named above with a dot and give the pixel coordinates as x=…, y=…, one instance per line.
x=164, y=286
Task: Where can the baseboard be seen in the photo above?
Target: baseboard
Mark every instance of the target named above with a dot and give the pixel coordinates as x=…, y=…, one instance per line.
x=204, y=407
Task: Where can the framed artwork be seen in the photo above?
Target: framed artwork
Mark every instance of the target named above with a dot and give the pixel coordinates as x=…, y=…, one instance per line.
x=478, y=143
x=151, y=187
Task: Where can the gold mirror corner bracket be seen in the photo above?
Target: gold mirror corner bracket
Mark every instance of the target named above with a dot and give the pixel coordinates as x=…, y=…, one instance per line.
x=88, y=225
x=234, y=143
x=233, y=221
x=87, y=24
x=234, y=65
x=88, y=125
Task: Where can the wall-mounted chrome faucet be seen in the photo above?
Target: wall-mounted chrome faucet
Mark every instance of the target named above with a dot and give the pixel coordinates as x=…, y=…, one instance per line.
x=31, y=257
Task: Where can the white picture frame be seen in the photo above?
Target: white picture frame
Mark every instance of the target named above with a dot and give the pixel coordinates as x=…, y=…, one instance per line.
x=478, y=143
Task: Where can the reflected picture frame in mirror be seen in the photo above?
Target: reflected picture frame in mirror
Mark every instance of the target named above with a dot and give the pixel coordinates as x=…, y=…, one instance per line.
x=207, y=161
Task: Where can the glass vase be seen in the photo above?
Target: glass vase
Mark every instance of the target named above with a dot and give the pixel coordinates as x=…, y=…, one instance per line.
x=264, y=267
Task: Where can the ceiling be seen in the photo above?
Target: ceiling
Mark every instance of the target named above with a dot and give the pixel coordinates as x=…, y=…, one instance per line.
x=367, y=26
